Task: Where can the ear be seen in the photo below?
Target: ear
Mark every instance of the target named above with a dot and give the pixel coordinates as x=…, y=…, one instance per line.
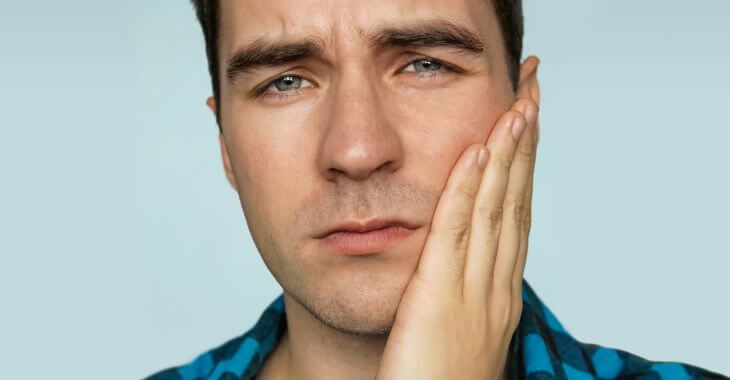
x=528, y=86
x=224, y=152
x=227, y=162
x=210, y=102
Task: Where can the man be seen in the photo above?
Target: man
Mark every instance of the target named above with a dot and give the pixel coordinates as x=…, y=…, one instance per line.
x=383, y=153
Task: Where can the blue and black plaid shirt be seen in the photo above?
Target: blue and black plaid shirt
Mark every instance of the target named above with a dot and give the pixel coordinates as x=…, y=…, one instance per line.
x=540, y=349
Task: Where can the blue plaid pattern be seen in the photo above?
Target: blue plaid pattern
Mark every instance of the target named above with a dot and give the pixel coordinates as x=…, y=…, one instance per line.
x=540, y=349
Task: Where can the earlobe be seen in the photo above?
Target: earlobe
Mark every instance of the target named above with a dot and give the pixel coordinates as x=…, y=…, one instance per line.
x=210, y=102
x=227, y=162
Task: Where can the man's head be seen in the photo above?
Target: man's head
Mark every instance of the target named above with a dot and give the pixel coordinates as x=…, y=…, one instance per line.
x=336, y=111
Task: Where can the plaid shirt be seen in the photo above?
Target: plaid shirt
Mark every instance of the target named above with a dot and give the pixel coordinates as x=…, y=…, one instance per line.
x=540, y=349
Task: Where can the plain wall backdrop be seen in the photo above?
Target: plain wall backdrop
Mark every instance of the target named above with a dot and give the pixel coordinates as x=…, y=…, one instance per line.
x=124, y=250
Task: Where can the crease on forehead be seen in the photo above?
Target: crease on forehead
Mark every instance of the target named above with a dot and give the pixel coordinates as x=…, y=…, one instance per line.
x=277, y=23
x=246, y=21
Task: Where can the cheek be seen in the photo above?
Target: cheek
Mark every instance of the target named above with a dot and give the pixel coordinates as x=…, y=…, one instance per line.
x=269, y=153
x=440, y=124
x=268, y=144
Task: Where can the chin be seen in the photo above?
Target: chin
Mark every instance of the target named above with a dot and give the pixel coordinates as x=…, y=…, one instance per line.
x=364, y=310
x=359, y=302
x=353, y=295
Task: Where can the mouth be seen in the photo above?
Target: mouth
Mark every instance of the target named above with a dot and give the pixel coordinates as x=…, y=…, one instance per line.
x=363, y=238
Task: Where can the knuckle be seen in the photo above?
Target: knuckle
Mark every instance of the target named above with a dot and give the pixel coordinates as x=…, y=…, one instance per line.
x=527, y=220
x=493, y=215
x=525, y=151
x=462, y=190
x=457, y=231
x=501, y=157
x=504, y=162
x=516, y=207
x=466, y=191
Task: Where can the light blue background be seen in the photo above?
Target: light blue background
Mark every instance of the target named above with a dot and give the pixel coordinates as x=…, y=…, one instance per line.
x=124, y=250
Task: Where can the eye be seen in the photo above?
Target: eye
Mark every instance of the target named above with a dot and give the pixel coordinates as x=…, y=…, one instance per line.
x=287, y=83
x=423, y=65
x=281, y=88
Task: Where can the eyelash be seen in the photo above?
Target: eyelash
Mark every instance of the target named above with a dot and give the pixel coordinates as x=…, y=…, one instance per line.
x=447, y=67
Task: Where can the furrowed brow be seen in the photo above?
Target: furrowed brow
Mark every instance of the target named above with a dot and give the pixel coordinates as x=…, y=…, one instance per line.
x=428, y=34
x=262, y=53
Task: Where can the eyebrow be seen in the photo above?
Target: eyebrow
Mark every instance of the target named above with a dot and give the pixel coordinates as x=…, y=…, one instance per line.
x=426, y=34
x=429, y=34
x=263, y=53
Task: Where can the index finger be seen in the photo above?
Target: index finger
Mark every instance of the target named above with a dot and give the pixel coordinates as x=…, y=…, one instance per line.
x=443, y=255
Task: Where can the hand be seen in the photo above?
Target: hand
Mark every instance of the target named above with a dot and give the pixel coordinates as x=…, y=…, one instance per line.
x=461, y=307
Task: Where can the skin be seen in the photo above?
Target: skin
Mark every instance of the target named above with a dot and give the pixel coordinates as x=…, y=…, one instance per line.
x=372, y=138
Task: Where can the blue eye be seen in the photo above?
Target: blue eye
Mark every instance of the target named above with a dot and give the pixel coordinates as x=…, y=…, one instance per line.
x=424, y=65
x=288, y=83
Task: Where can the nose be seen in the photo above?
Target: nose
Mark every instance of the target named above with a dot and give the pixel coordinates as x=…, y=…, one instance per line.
x=359, y=139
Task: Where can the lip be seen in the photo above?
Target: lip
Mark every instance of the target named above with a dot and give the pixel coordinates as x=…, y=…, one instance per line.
x=362, y=238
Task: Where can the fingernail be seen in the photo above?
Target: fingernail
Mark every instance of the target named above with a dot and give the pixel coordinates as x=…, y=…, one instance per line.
x=518, y=126
x=482, y=160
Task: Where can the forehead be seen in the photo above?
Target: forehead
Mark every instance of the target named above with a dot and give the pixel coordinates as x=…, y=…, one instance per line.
x=242, y=21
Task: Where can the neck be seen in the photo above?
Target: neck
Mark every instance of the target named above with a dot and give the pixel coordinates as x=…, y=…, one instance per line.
x=311, y=350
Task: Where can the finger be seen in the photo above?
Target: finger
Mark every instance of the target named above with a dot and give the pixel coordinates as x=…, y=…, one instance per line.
x=518, y=273
x=488, y=208
x=508, y=252
x=530, y=83
x=442, y=259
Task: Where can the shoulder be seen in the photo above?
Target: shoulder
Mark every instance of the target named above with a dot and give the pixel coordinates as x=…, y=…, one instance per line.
x=238, y=358
x=544, y=349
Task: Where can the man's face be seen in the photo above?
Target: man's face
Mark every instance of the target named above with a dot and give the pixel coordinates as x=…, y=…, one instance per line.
x=363, y=127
